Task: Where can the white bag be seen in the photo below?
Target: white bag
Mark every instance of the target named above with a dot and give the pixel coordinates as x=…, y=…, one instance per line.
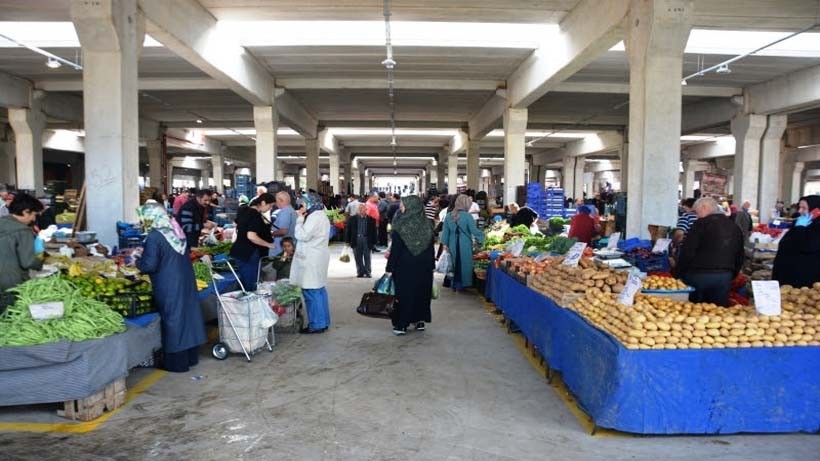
x=345, y=256
x=443, y=265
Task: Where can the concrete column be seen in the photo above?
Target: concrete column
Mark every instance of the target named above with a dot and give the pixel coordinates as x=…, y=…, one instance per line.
x=111, y=33
x=279, y=170
x=266, y=121
x=28, y=125
x=578, y=182
x=568, y=177
x=623, y=155
x=335, y=177
x=154, y=148
x=748, y=130
x=515, y=128
x=770, y=165
x=656, y=35
x=312, y=162
x=8, y=169
x=688, y=182
x=796, y=188
x=218, y=168
x=473, y=169
x=452, y=173
x=362, y=182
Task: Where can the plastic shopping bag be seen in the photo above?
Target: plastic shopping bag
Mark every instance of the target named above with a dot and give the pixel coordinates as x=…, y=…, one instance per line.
x=436, y=291
x=345, y=257
x=385, y=285
x=443, y=265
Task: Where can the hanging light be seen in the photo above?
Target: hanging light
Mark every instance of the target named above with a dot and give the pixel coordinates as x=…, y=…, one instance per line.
x=199, y=121
x=724, y=69
x=52, y=63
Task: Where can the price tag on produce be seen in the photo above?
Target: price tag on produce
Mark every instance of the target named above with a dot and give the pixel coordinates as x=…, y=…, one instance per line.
x=767, y=296
x=776, y=222
x=613, y=240
x=661, y=245
x=574, y=254
x=542, y=257
x=632, y=287
x=46, y=311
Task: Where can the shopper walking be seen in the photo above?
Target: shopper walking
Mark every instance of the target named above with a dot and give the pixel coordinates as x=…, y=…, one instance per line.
x=798, y=256
x=711, y=254
x=253, y=240
x=360, y=234
x=383, y=206
x=165, y=259
x=311, y=261
x=17, y=254
x=457, y=237
x=743, y=219
x=411, y=266
x=192, y=217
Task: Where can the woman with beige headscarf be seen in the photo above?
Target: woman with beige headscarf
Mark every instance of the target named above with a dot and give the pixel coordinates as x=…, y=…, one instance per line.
x=457, y=238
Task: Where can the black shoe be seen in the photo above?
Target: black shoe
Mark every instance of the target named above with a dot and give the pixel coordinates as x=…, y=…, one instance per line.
x=420, y=326
x=399, y=331
x=311, y=331
x=367, y=276
x=360, y=276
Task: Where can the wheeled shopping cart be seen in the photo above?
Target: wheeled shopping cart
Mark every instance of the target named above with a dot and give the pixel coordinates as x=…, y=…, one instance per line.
x=245, y=322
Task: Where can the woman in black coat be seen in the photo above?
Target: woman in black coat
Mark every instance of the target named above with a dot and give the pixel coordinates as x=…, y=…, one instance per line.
x=798, y=256
x=411, y=264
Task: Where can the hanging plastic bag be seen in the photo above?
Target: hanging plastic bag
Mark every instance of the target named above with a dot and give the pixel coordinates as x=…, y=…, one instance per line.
x=443, y=265
x=345, y=257
x=385, y=285
x=515, y=247
x=210, y=239
x=436, y=291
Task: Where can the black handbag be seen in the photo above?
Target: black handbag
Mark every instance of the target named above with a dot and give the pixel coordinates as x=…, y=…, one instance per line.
x=377, y=305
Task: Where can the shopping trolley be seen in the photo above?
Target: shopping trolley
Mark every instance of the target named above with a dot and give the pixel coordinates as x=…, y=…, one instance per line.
x=291, y=320
x=245, y=321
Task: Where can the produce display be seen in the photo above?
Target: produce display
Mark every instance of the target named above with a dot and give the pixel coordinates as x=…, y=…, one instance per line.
x=83, y=319
x=560, y=245
x=657, y=282
x=203, y=272
x=660, y=323
x=564, y=283
x=285, y=293
x=219, y=249
x=499, y=235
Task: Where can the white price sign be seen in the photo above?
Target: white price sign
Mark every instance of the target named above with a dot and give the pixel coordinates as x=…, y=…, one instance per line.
x=46, y=311
x=574, y=254
x=632, y=287
x=661, y=245
x=613, y=240
x=767, y=296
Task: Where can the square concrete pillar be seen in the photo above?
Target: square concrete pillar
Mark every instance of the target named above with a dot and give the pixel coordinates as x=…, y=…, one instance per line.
x=266, y=122
x=515, y=129
x=770, y=156
x=748, y=131
x=578, y=182
x=335, y=177
x=656, y=35
x=111, y=33
x=312, y=163
x=473, y=161
x=688, y=180
x=452, y=173
x=154, y=148
x=28, y=125
x=568, y=177
x=8, y=168
x=218, y=168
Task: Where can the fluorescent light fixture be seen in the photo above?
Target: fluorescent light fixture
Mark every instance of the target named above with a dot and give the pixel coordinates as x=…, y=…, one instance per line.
x=736, y=42
x=53, y=63
x=403, y=33
x=365, y=157
x=808, y=146
x=699, y=137
x=548, y=134
x=59, y=34
x=244, y=132
x=389, y=132
x=199, y=121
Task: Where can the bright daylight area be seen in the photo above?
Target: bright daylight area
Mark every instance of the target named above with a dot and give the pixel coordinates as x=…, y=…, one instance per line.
x=410, y=229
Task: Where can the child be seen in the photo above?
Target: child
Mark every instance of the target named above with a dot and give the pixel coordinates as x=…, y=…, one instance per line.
x=283, y=261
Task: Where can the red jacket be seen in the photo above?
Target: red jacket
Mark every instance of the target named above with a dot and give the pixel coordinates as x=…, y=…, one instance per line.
x=373, y=211
x=582, y=227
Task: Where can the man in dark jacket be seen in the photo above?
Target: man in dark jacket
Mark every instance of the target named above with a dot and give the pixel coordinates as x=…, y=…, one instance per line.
x=192, y=217
x=711, y=255
x=17, y=241
x=383, y=206
x=360, y=234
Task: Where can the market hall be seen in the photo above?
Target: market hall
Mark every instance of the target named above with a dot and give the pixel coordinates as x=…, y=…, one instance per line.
x=409, y=229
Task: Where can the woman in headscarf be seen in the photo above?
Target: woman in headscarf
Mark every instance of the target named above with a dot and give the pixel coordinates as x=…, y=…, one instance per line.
x=311, y=260
x=457, y=237
x=164, y=257
x=798, y=256
x=411, y=265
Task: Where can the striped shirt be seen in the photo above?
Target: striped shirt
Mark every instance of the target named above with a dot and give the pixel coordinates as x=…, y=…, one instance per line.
x=431, y=210
x=685, y=221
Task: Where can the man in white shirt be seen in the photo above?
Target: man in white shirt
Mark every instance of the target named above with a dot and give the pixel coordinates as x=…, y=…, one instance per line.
x=352, y=208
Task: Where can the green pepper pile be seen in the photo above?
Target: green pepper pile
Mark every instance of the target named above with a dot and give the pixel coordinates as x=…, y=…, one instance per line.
x=203, y=272
x=83, y=319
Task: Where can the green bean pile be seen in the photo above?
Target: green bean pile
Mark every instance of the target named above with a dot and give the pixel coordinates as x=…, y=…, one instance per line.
x=202, y=272
x=83, y=319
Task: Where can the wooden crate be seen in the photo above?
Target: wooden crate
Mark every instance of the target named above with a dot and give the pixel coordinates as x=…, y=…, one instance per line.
x=90, y=408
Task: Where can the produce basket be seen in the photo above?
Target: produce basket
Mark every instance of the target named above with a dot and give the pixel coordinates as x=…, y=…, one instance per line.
x=130, y=305
x=675, y=295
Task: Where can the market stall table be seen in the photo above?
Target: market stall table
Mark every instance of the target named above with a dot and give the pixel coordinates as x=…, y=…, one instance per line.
x=716, y=391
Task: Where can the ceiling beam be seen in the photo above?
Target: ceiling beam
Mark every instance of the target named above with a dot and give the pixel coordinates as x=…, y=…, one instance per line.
x=790, y=93
x=488, y=117
x=590, y=29
x=786, y=15
x=720, y=147
x=381, y=84
x=148, y=84
x=623, y=88
x=189, y=30
x=15, y=92
x=707, y=114
x=605, y=141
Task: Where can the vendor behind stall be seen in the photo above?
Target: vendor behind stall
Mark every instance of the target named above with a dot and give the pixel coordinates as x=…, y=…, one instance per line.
x=521, y=215
x=582, y=226
x=192, y=216
x=798, y=254
x=17, y=254
x=165, y=259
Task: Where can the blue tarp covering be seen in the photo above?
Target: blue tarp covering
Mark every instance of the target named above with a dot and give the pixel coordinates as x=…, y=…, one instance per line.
x=714, y=391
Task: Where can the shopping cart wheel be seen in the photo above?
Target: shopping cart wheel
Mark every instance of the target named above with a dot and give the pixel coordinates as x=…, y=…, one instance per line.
x=220, y=351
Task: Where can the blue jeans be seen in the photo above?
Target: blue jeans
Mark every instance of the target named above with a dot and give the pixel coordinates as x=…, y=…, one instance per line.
x=710, y=287
x=317, y=305
x=248, y=271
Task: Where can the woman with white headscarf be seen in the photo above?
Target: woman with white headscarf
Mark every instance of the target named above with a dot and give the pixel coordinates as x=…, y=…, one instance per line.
x=164, y=257
x=311, y=260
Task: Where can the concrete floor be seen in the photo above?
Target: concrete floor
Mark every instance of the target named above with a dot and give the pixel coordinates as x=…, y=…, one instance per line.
x=462, y=390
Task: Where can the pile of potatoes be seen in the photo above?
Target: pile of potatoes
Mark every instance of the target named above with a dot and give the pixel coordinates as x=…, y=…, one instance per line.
x=656, y=282
x=661, y=323
x=559, y=281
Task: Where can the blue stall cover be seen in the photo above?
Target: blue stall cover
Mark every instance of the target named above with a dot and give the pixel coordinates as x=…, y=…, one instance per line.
x=712, y=391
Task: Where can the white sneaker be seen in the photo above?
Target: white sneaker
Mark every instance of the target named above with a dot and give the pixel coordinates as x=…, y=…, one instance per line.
x=400, y=332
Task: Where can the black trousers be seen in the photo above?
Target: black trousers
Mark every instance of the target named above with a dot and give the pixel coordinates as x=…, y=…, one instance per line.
x=182, y=361
x=383, y=232
x=710, y=287
x=362, y=256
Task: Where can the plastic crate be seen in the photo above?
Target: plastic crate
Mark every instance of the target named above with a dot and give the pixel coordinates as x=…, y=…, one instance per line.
x=654, y=263
x=130, y=305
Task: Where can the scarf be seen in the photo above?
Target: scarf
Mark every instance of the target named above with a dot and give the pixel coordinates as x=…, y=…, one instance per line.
x=813, y=202
x=415, y=230
x=312, y=202
x=165, y=225
x=462, y=203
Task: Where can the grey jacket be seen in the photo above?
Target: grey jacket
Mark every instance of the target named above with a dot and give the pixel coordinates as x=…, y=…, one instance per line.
x=16, y=252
